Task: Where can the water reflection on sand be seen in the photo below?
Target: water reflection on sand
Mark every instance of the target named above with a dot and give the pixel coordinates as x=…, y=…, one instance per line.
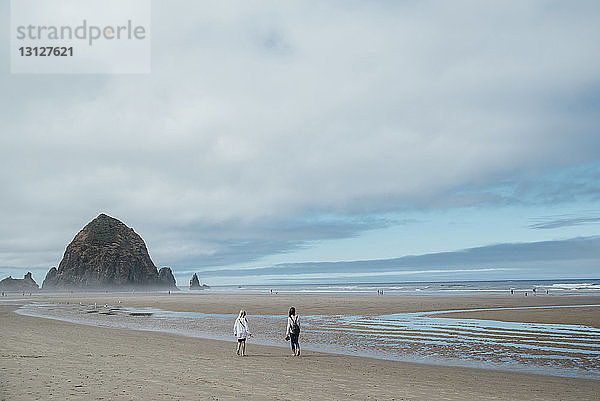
x=556, y=349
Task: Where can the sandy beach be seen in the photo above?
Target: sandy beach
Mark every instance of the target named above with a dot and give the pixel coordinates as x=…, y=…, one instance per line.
x=53, y=360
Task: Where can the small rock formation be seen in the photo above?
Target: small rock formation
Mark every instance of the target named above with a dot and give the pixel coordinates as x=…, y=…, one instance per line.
x=25, y=284
x=106, y=254
x=51, y=280
x=166, y=278
x=195, y=283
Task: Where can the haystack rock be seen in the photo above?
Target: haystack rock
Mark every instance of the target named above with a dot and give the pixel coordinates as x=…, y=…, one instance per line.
x=106, y=254
x=26, y=284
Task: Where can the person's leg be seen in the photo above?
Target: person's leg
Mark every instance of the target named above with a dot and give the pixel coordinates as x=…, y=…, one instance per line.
x=293, y=344
x=237, y=351
x=294, y=341
x=244, y=347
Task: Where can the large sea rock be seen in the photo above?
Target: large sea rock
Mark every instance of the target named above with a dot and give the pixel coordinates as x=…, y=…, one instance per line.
x=25, y=284
x=106, y=254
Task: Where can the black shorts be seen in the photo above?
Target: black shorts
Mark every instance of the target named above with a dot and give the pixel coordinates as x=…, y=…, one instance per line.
x=241, y=340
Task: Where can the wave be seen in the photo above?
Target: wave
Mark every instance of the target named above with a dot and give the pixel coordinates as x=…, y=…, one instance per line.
x=576, y=286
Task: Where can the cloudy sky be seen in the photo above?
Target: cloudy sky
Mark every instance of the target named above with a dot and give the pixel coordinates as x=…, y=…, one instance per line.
x=459, y=135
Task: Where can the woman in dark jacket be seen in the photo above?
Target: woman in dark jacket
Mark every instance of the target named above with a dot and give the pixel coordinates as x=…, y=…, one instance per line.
x=292, y=331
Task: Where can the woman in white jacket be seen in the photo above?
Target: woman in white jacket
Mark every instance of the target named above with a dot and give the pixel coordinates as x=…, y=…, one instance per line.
x=241, y=330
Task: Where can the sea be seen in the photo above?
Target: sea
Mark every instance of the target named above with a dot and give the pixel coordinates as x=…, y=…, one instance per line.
x=559, y=286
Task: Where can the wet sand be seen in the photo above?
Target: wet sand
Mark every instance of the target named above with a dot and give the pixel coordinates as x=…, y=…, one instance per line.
x=587, y=316
x=47, y=359
x=332, y=304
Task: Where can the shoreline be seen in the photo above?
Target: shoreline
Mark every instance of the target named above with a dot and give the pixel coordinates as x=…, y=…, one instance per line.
x=320, y=348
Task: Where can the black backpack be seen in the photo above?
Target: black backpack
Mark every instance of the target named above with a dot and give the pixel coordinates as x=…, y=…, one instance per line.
x=295, y=330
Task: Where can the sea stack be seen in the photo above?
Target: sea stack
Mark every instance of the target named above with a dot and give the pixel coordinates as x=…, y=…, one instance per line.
x=26, y=284
x=106, y=254
x=195, y=283
x=166, y=278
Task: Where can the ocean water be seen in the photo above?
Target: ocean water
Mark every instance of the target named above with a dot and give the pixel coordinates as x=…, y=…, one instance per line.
x=561, y=286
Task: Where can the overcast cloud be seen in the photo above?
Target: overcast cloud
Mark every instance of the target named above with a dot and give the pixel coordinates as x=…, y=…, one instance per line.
x=267, y=125
x=496, y=262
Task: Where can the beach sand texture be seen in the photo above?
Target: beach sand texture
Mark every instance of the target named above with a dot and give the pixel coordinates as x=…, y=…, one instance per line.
x=52, y=360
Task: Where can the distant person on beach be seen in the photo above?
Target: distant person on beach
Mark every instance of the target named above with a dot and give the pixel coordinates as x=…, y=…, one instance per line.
x=242, y=331
x=292, y=331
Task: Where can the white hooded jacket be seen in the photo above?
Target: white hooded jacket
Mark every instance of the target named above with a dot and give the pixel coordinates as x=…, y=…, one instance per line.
x=241, y=328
